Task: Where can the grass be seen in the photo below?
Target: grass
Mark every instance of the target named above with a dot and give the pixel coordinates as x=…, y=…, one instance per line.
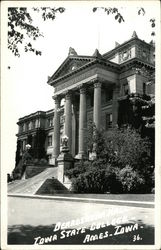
x=125, y=197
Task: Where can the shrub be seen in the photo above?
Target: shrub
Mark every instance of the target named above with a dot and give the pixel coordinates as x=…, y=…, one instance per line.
x=123, y=163
x=91, y=181
x=131, y=180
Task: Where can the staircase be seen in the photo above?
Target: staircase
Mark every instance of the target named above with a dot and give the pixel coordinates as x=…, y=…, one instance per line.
x=31, y=185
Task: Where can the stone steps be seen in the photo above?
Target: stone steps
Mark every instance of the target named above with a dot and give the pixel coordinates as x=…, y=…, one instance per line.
x=31, y=185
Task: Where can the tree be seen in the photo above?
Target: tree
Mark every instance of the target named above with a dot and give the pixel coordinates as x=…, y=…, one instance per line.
x=118, y=16
x=21, y=27
x=114, y=11
x=131, y=156
x=147, y=101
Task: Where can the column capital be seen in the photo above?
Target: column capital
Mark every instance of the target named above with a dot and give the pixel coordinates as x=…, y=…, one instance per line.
x=82, y=90
x=97, y=84
x=98, y=81
x=57, y=99
x=68, y=95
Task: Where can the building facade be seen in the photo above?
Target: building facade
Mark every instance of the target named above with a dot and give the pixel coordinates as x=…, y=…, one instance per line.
x=88, y=88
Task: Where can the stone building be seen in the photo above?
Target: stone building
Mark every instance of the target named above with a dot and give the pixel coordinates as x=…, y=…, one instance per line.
x=88, y=88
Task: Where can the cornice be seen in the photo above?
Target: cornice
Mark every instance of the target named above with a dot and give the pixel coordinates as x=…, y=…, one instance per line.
x=121, y=46
x=128, y=64
x=95, y=61
x=35, y=115
x=69, y=58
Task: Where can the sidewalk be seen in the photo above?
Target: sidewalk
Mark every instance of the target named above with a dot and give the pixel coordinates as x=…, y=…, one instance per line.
x=122, y=200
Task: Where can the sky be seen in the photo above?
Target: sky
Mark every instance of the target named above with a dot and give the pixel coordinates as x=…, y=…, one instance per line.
x=24, y=87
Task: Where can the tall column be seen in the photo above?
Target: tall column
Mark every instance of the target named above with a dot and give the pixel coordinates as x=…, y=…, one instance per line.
x=97, y=105
x=68, y=119
x=115, y=106
x=73, y=129
x=56, y=134
x=82, y=123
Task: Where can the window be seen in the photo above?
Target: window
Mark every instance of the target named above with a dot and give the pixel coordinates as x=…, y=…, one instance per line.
x=24, y=142
x=37, y=123
x=125, y=89
x=144, y=88
x=125, y=54
x=23, y=127
x=144, y=53
x=30, y=126
x=108, y=121
x=27, y=126
x=49, y=140
x=49, y=157
x=50, y=122
x=91, y=100
x=20, y=129
x=33, y=124
x=109, y=95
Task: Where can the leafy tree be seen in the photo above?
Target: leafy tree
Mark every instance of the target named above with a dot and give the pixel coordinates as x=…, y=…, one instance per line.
x=96, y=143
x=118, y=16
x=147, y=101
x=114, y=11
x=126, y=147
x=21, y=27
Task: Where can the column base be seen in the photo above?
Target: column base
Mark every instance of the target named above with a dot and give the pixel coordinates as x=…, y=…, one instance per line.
x=53, y=160
x=81, y=156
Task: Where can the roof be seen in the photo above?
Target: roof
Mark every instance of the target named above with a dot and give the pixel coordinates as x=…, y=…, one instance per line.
x=35, y=114
x=75, y=63
x=120, y=46
x=86, y=59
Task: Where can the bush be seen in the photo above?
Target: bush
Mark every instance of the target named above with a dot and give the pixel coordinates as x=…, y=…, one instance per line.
x=93, y=177
x=131, y=180
x=123, y=164
x=90, y=181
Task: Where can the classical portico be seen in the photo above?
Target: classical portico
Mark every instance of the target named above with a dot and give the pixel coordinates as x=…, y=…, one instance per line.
x=76, y=86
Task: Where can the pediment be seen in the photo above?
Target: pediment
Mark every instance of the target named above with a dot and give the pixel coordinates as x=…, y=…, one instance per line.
x=71, y=64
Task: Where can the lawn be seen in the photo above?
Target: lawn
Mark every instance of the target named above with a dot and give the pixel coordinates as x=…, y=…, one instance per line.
x=125, y=197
